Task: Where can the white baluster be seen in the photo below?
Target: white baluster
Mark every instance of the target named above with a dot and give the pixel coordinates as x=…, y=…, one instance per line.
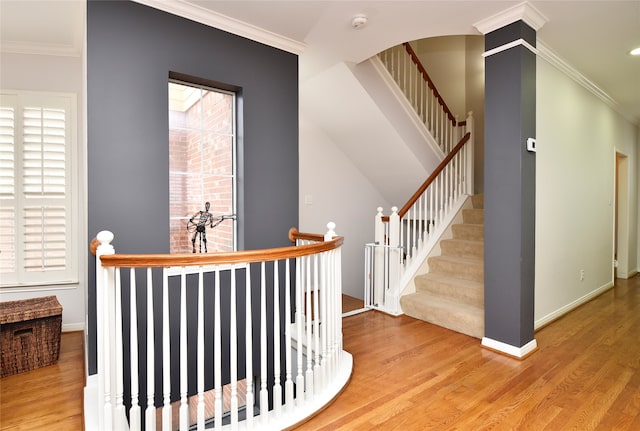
x=166, y=356
x=119, y=413
x=309, y=336
x=249, y=350
x=184, y=406
x=264, y=393
x=150, y=412
x=233, y=357
x=288, y=383
x=200, y=412
x=324, y=318
x=300, y=398
x=134, y=413
x=277, y=388
x=316, y=325
x=217, y=354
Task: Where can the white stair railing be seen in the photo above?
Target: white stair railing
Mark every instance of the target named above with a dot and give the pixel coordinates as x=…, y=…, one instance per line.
x=405, y=69
x=404, y=239
x=212, y=317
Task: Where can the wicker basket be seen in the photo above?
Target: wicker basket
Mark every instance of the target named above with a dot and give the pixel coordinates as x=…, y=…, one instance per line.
x=30, y=333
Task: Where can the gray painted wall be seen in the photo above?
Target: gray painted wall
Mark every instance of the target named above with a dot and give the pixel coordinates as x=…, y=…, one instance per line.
x=510, y=103
x=131, y=49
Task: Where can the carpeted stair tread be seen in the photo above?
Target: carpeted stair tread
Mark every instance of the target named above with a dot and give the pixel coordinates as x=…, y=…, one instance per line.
x=455, y=289
x=463, y=248
x=458, y=267
x=458, y=317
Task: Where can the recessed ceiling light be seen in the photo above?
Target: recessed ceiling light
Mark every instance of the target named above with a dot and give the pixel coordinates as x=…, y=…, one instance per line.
x=635, y=51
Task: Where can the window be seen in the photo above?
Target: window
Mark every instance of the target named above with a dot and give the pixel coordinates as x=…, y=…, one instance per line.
x=37, y=141
x=201, y=169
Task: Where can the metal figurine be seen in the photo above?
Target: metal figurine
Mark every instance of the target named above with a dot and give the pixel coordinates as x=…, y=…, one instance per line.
x=198, y=225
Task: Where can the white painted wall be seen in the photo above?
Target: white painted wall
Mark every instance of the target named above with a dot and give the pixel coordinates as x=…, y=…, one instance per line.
x=340, y=193
x=577, y=135
x=54, y=74
x=444, y=59
x=456, y=66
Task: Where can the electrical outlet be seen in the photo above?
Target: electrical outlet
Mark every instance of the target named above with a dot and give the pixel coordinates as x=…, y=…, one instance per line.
x=581, y=274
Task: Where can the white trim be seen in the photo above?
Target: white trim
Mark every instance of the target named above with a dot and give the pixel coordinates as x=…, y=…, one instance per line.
x=545, y=53
x=226, y=23
x=509, y=46
x=11, y=47
x=572, y=305
x=518, y=352
x=523, y=11
x=72, y=327
x=354, y=312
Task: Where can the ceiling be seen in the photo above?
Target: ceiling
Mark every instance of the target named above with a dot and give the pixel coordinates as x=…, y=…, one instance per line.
x=592, y=39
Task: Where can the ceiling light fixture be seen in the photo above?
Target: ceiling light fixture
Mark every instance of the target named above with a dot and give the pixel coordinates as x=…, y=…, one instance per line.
x=635, y=51
x=359, y=21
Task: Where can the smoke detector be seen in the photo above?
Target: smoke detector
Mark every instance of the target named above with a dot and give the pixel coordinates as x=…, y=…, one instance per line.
x=359, y=21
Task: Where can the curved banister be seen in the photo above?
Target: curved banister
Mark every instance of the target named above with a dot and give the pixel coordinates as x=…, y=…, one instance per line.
x=247, y=256
x=432, y=86
x=303, y=319
x=412, y=200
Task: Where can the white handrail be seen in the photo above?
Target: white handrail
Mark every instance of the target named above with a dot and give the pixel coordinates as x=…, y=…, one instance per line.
x=195, y=378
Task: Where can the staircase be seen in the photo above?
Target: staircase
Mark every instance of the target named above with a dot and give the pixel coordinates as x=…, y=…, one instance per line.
x=451, y=294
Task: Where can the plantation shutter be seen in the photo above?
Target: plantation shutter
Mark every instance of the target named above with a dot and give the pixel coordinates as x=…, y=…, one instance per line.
x=8, y=230
x=35, y=190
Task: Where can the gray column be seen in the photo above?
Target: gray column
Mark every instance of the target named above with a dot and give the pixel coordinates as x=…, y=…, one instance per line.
x=509, y=184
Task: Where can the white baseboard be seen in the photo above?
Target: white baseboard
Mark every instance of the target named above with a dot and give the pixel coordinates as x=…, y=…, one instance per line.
x=71, y=327
x=567, y=308
x=508, y=349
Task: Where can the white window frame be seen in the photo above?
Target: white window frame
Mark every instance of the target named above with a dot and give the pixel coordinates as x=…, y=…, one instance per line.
x=69, y=271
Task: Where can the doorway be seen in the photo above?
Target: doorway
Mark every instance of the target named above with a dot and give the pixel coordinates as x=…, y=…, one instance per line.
x=621, y=217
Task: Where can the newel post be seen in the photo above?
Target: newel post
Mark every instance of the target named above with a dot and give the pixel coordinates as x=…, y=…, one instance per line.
x=104, y=331
x=392, y=302
x=331, y=233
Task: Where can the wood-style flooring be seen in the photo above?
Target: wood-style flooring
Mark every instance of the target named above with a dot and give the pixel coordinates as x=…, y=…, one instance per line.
x=410, y=375
x=48, y=398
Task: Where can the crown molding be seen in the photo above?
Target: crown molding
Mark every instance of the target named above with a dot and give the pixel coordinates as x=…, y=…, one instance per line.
x=11, y=47
x=231, y=25
x=520, y=12
x=545, y=53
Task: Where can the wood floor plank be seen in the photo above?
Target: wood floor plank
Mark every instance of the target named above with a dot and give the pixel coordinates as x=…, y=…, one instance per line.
x=410, y=375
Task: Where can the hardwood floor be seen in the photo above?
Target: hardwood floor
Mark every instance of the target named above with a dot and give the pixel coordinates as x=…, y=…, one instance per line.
x=47, y=398
x=410, y=375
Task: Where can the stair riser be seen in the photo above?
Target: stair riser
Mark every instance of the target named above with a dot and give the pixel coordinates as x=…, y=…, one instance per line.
x=473, y=250
x=469, y=324
x=473, y=296
x=477, y=201
x=471, y=232
x=467, y=271
x=473, y=216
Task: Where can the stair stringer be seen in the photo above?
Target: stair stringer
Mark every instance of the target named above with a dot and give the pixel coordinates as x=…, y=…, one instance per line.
x=419, y=264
